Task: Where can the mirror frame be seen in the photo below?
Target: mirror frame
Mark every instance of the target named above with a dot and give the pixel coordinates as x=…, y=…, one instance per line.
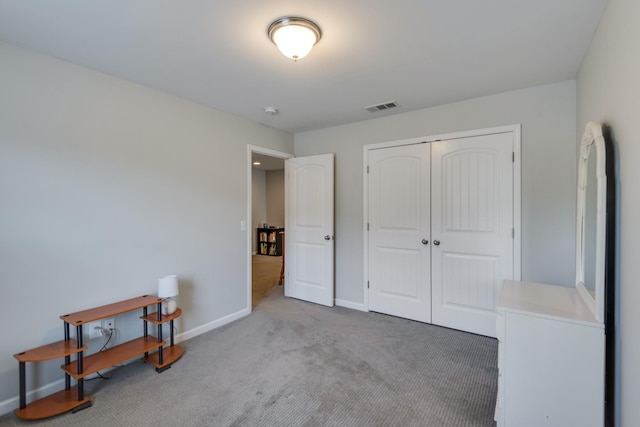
x=593, y=136
x=602, y=305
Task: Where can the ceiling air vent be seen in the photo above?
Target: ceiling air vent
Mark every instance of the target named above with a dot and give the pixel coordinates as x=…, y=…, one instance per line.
x=381, y=107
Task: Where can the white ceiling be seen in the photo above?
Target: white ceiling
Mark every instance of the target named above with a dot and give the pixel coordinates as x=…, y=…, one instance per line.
x=267, y=163
x=419, y=53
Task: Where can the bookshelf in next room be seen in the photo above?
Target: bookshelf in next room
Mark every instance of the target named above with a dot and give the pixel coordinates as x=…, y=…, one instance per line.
x=270, y=241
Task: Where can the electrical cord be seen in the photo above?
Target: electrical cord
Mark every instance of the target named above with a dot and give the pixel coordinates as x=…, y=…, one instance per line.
x=99, y=377
x=104, y=347
x=111, y=331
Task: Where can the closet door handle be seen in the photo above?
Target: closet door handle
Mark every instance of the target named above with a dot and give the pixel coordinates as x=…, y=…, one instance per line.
x=425, y=242
x=436, y=242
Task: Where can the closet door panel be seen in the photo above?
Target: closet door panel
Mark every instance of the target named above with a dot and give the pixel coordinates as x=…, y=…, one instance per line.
x=399, y=217
x=472, y=229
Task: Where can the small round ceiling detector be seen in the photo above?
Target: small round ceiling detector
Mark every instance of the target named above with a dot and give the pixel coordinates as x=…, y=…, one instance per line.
x=272, y=111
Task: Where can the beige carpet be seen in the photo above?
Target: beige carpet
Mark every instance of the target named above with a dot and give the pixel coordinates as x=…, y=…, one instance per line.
x=265, y=273
x=292, y=363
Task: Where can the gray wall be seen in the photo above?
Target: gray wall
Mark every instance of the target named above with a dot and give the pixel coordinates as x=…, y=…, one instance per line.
x=609, y=91
x=547, y=115
x=105, y=186
x=275, y=197
x=258, y=204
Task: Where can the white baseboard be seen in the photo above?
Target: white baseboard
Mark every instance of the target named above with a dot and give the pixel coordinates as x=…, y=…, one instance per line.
x=351, y=305
x=12, y=403
x=47, y=389
x=212, y=325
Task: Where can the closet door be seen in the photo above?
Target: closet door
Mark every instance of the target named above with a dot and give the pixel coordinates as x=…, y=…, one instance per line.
x=471, y=229
x=399, y=217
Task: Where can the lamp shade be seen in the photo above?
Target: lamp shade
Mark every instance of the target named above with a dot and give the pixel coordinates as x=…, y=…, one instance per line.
x=168, y=286
x=294, y=36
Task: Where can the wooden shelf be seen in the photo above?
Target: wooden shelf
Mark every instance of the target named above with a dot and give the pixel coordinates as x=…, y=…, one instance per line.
x=73, y=399
x=51, y=351
x=169, y=355
x=118, y=354
x=153, y=317
x=54, y=404
x=110, y=310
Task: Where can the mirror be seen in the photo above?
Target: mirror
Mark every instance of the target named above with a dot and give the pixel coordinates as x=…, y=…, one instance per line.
x=590, y=226
x=591, y=233
x=595, y=241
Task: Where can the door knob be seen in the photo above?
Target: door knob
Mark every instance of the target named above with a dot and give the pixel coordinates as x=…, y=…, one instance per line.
x=425, y=242
x=327, y=237
x=436, y=242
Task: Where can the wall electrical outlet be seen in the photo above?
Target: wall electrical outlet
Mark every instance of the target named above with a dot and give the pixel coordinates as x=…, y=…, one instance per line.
x=93, y=329
x=108, y=325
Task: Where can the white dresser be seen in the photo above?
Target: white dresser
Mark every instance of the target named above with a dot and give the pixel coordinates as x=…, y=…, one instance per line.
x=551, y=358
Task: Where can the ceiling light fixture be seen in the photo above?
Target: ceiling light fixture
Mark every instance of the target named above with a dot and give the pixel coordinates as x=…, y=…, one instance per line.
x=294, y=36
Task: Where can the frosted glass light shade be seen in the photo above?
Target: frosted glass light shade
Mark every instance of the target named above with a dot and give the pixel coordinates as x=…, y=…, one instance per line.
x=294, y=36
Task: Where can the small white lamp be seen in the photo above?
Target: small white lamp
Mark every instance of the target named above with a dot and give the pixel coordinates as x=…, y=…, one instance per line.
x=167, y=289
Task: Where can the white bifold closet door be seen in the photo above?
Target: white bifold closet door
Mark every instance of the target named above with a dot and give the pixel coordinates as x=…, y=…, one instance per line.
x=472, y=218
x=399, y=221
x=441, y=230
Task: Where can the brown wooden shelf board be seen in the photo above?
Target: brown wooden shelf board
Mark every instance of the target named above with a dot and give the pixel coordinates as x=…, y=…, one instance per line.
x=54, y=404
x=110, y=310
x=51, y=351
x=118, y=354
x=153, y=317
x=169, y=355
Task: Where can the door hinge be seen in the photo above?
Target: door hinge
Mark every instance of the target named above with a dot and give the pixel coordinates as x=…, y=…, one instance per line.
x=513, y=233
x=513, y=157
x=367, y=226
x=367, y=284
x=367, y=168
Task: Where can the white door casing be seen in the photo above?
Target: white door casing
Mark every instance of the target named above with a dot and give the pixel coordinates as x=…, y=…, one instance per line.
x=399, y=221
x=309, y=238
x=472, y=229
x=248, y=224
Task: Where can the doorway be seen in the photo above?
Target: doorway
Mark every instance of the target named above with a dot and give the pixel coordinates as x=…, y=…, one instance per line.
x=265, y=206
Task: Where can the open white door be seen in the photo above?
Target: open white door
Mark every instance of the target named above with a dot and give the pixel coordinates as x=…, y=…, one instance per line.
x=309, y=247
